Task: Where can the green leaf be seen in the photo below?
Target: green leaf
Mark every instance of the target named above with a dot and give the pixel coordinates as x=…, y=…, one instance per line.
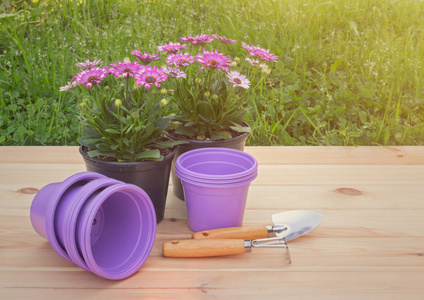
x=187, y=131
x=91, y=132
x=162, y=123
x=110, y=130
x=218, y=135
x=169, y=144
x=334, y=66
x=239, y=128
x=87, y=141
x=148, y=154
x=99, y=153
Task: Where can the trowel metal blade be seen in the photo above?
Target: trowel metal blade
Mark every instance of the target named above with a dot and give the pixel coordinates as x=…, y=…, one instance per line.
x=297, y=222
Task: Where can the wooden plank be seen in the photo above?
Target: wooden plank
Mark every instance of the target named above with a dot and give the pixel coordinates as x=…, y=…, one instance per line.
x=336, y=155
x=303, y=155
x=308, y=253
x=239, y=283
x=41, y=154
x=352, y=197
x=40, y=175
x=200, y=293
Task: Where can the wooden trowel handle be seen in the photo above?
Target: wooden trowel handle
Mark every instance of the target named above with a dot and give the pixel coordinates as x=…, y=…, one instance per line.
x=243, y=232
x=202, y=248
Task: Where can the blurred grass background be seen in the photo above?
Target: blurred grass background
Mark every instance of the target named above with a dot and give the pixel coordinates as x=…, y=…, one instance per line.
x=350, y=72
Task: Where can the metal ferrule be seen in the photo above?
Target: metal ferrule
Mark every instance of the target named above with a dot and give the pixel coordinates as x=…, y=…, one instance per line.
x=247, y=246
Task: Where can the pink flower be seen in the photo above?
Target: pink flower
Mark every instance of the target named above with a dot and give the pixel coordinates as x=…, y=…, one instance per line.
x=223, y=39
x=68, y=87
x=89, y=77
x=174, y=72
x=124, y=69
x=262, y=54
x=145, y=58
x=149, y=76
x=171, y=47
x=198, y=39
x=253, y=62
x=179, y=59
x=238, y=80
x=214, y=60
x=89, y=64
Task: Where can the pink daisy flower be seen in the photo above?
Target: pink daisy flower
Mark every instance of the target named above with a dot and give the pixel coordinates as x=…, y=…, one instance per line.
x=89, y=64
x=198, y=39
x=262, y=54
x=174, y=72
x=223, y=39
x=179, y=59
x=90, y=77
x=68, y=87
x=145, y=58
x=214, y=60
x=253, y=62
x=238, y=80
x=149, y=76
x=124, y=69
x=171, y=47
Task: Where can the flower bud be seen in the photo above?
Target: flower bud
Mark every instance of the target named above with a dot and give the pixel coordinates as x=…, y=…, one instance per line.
x=171, y=92
x=82, y=105
x=198, y=81
x=135, y=115
x=214, y=97
x=127, y=59
x=237, y=60
x=234, y=64
x=207, y=94
x=106, y=88
x=118, y=103
x=164, y=102
x=163, y=91
x=265, y=69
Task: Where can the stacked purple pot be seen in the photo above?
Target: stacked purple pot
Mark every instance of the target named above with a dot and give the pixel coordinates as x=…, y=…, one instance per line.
x=215, y=183
x=103, y=225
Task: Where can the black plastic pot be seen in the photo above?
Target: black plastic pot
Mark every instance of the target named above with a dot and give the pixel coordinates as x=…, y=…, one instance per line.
x=151, y=176
x=237, y=143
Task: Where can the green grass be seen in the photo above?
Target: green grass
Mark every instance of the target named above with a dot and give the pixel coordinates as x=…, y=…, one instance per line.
x=350, y=72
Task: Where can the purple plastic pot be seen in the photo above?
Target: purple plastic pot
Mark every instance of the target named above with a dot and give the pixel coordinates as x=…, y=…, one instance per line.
x=44, y=206
x=215, y=182
x=102, y=225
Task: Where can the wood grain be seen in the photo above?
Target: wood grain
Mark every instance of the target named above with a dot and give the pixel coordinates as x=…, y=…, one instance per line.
x=370, y=244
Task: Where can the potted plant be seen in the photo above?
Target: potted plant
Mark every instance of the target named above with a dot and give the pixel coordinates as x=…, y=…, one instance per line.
x=210, y=93
x=124, y=116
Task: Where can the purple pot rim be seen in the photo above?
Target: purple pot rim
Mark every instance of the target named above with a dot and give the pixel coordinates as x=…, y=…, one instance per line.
x=87, y=226
x=202, y=151
x=71, y=219
x=218, y=185
x=130, y=165
x=251, y=176
x=51, y=209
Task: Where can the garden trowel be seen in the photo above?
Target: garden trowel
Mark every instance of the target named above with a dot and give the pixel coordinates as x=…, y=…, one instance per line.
x=289, y=224
x=236, y=240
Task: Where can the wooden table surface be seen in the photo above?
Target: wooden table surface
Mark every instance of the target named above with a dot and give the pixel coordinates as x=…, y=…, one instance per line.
x=370, y=244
